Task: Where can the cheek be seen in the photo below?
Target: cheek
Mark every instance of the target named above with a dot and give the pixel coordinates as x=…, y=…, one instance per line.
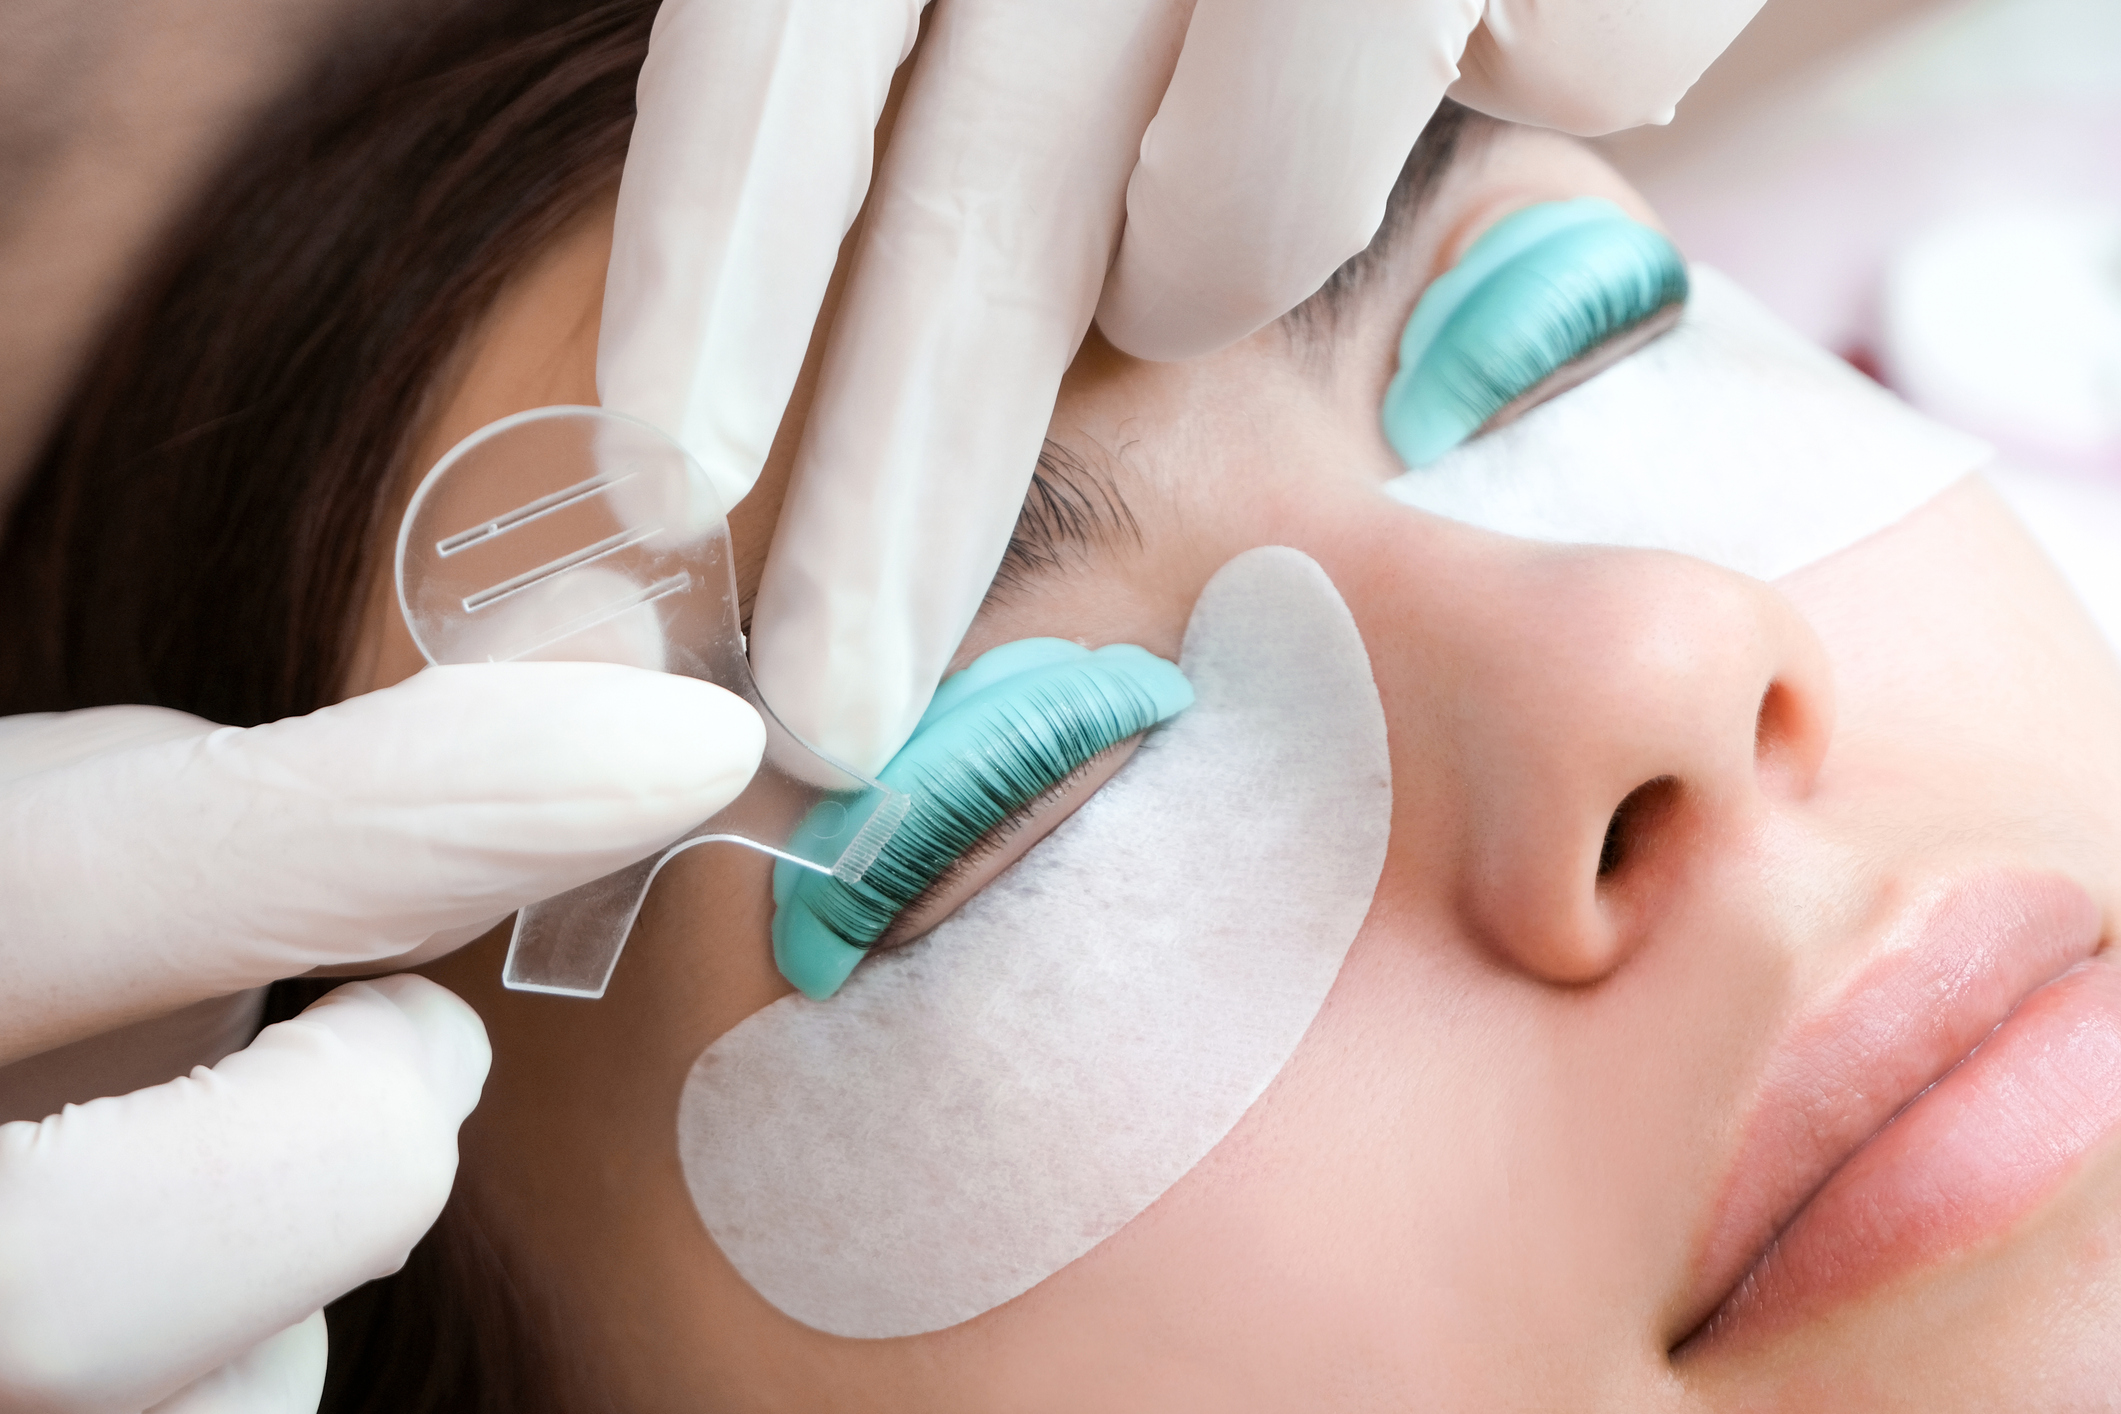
x=1297, y=1255
x=1952, y=640
x=1399, y=1214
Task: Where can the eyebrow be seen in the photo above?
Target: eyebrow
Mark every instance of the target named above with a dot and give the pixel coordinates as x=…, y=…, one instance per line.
x=1072, y=512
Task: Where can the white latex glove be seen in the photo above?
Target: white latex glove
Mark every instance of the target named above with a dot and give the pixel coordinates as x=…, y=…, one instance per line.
x=1246, y=146
x=149, y=1243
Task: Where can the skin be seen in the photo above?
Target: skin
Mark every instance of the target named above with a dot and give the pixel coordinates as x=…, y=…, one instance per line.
x=1483, y=1178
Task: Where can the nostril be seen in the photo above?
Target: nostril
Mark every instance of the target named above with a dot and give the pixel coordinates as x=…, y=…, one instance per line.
x=1630, y=825
x=1611, y=851
x=1789, y=736
x=1771, y=722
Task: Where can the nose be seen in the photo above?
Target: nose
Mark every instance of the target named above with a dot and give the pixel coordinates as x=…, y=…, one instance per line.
x=1602, y=722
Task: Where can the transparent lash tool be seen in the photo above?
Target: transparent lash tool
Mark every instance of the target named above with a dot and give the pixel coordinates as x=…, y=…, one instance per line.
x=581, y=535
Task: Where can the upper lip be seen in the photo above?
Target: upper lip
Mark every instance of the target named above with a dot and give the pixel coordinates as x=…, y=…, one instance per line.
x=1954, y=964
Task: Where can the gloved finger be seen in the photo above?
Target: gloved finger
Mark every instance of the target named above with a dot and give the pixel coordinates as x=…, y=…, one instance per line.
x=44, y=741
x=976, y=273
x=282, y=1375
x=748, y=163
x=147, y=878
x=440, y=944
x=1270, y=160
x=148, y=1239
x=131, y=1057
x=1576, y=66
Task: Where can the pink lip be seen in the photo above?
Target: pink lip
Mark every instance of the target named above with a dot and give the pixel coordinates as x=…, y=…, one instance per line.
x=1884, y=1140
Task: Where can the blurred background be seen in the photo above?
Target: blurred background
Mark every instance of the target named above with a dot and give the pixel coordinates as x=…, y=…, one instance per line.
x=1932, y=188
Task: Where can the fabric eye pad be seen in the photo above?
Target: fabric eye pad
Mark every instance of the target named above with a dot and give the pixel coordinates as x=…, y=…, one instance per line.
x=1542, y=301
x=975, y=1111
x=1013, y=725
x=1730, y=439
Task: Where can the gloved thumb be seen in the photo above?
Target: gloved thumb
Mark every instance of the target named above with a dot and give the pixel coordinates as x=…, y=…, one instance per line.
x=281, y=1375
x=150, y=1238
x=201, y=863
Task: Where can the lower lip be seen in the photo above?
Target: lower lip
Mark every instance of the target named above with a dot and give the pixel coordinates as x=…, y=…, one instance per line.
x=1970, y=1156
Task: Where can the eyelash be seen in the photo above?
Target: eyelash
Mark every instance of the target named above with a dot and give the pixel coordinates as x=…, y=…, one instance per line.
x=981, y=778
x=994, y=842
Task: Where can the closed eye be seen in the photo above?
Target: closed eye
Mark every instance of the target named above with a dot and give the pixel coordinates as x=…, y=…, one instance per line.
x=1006, y=843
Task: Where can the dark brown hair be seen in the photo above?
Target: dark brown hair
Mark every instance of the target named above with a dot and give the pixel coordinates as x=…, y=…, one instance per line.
x=200, y=530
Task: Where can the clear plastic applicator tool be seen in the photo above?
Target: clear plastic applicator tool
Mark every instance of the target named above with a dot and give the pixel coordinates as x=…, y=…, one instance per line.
x=577, y=534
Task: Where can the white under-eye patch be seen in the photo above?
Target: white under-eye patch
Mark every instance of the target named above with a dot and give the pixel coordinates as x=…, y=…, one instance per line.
x=974, y=1112
x=1731, y=439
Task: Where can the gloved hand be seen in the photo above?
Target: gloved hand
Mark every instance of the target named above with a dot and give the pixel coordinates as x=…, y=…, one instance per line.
x=151, y=862
x=1232, y=152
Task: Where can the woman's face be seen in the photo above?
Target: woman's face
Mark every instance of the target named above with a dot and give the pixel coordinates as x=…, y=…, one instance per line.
x=1586, y=1060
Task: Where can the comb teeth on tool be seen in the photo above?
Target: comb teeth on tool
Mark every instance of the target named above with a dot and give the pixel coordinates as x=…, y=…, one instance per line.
x=581, y=535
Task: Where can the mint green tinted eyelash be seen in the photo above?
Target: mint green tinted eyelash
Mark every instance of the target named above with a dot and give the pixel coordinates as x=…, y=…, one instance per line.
x=996, y=736
x=1542, y=289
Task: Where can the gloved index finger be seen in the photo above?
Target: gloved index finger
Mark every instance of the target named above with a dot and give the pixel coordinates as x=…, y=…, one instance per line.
x=149, y=1237
x=1576, y=67
x=748, y=163
x=975, y=278
x=150, y=877
x=1270, y=161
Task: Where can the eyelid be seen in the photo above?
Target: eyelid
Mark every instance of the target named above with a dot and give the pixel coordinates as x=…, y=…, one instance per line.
x=1073, y=512
x=1528, y=312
